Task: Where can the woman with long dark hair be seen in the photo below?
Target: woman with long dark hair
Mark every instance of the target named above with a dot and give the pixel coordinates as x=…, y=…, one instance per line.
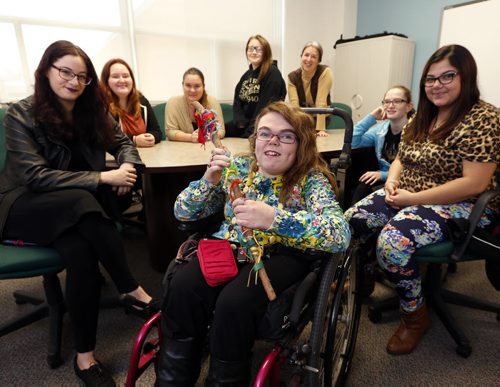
x=447, y=157
x=55, y=175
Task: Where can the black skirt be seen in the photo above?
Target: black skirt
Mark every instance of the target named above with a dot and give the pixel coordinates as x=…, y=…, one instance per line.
x=41, y=217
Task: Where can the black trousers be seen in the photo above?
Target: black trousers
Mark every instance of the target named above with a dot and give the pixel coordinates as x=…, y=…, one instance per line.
x=233, y=130
x=73, y=222
x=233, y=309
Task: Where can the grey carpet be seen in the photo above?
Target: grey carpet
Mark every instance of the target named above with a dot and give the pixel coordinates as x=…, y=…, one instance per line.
x=434, y=363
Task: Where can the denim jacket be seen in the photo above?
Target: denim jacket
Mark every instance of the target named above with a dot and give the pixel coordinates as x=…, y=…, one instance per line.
x=367, y=134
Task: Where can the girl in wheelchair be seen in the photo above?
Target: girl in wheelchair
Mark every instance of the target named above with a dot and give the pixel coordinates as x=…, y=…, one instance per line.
x=290, y=201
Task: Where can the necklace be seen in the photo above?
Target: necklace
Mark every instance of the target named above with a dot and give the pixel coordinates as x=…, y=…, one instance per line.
x=436, y=125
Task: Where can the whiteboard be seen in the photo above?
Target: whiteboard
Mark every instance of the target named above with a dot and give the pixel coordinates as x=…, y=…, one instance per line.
x=476, y=26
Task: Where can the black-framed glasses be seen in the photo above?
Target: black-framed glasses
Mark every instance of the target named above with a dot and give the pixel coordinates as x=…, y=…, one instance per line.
x=285, y=137
x=443, y=79
x=257, y=49
x=69, y=75
x=395, y=101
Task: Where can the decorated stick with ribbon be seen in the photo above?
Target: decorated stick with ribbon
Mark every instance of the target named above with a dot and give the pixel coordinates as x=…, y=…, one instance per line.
x=208, y=126
x=249, y=243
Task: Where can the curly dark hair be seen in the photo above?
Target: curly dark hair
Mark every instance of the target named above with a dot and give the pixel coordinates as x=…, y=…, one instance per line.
x=90, y=122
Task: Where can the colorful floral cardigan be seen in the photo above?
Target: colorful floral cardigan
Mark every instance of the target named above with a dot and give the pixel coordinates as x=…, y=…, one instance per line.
x=310, y=219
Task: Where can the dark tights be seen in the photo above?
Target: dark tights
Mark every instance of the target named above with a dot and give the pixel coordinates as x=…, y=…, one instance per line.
x=235, y=307
x=92, y=240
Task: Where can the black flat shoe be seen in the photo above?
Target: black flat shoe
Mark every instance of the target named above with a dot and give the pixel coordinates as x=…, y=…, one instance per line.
x=96, y=375
x=139, y=308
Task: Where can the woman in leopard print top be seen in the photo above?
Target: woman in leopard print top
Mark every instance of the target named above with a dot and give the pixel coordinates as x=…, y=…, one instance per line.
x=448, y=156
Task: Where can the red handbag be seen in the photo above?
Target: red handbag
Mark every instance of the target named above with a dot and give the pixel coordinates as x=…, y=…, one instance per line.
x=216, y=261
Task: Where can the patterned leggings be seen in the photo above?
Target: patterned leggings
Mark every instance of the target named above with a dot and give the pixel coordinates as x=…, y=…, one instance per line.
x=401, y=233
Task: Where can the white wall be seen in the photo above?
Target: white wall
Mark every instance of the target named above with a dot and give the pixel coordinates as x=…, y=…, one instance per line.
x=476, y=27
x=322, y=20
x=162, y=38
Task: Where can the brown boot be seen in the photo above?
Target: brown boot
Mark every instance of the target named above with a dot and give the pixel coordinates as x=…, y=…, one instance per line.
x=412, y=328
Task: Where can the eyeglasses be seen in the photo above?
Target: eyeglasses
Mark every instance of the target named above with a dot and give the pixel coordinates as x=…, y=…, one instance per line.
x=69, y=75
x=257, y=49
x=285, y=137
x=443, y=79
x=395, y=101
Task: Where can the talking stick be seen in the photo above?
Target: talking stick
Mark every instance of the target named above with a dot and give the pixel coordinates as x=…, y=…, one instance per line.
x=207, y=129
x=251, y=245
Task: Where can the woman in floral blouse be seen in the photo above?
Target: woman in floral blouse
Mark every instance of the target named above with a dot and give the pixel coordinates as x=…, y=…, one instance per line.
x=290, y=203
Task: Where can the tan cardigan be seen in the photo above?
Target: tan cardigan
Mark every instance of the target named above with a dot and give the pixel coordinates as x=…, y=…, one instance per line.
x=325, y=82
x=178, y=118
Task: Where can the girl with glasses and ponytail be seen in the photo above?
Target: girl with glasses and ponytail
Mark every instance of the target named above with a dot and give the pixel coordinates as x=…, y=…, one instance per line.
x=382, y=129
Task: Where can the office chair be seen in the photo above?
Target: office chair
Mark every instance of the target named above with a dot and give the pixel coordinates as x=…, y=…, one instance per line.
x=28, y=262
x=335, y=121
x=159, y=110
x=470, y=245
x=227, y=111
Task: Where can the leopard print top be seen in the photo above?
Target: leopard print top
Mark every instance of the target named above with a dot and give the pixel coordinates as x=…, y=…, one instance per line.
x=476, y=138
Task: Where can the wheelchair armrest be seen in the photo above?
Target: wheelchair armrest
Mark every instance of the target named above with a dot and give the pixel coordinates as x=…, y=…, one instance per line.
x=300, y=295
x=205, y=225
x=474, y=218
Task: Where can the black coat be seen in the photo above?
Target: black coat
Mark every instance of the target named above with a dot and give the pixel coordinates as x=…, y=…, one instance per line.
x=35, y=162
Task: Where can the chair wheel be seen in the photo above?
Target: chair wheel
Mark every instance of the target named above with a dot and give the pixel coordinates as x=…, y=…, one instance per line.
x=374, y=316
x=54, y=361
x=464, y=350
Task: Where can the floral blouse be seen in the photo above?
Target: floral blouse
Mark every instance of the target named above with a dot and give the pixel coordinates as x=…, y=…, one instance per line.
x=311, y=218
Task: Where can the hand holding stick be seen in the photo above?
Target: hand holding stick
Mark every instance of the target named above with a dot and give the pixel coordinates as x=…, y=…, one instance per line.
x=207, y=129
x=256, y=251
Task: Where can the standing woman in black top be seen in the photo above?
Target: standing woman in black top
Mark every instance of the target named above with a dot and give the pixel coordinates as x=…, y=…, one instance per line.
x=55, y=176
x=260, y=85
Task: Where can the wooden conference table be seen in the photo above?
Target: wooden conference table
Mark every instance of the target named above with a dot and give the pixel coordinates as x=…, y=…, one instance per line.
x=170, y=166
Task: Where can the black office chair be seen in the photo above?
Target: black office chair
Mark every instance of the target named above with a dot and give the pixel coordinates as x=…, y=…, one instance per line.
x=470, y=244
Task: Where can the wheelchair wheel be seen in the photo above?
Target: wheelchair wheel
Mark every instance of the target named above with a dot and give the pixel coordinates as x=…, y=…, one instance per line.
x=337, y=313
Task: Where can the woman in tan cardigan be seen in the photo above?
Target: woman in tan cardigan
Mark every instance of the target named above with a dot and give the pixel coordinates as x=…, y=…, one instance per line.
x=310, y=84
x=179, y=114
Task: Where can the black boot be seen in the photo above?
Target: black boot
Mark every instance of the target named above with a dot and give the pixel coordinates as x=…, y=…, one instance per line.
x=228, y=373
x=179, y=363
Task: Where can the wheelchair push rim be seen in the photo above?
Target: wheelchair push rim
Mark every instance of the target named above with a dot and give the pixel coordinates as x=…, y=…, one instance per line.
x=332, y=352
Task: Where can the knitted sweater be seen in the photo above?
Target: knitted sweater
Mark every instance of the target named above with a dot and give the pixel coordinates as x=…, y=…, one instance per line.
x=178, y=116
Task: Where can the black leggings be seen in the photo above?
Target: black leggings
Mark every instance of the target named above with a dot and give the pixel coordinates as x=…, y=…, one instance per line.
x=236, y=309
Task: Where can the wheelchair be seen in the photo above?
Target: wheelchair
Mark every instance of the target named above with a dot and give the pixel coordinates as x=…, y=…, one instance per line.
x=314, y=340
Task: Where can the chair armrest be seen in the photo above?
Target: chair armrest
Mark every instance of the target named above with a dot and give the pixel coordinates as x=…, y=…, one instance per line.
x=474, y=218
x=206, y=225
